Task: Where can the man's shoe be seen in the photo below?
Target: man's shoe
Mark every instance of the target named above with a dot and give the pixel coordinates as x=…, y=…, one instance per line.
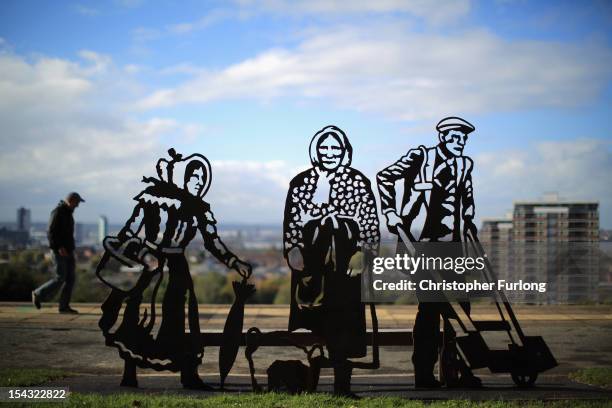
x=192, y=381
x=68, y=310
x=347, y=394
x=469, y=381
x=35, y=300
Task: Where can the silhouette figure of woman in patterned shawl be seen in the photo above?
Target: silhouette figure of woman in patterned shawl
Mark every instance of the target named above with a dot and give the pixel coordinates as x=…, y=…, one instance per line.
x=330, y=218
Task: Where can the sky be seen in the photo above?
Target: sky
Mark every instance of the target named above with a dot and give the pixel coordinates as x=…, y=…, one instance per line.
x=92, y=94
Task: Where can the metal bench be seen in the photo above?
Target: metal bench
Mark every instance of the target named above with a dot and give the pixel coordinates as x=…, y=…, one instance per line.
x=308, y=342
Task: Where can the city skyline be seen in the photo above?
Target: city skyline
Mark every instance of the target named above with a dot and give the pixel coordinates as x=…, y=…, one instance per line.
x=507, y=216
x=94, y=93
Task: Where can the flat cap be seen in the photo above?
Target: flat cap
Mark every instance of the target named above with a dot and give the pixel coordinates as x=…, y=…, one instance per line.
x=454, y=123
x=74, y=196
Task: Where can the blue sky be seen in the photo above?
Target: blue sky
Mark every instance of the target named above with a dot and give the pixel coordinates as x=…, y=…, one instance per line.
x=92, y=93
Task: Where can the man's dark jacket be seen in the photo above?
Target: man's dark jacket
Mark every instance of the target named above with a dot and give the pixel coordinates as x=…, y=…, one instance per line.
x=61, y=228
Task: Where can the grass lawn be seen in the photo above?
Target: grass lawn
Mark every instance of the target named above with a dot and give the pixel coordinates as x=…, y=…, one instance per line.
x=301, y=401
x=11, y=377
x=601, y=376
x=25, y=377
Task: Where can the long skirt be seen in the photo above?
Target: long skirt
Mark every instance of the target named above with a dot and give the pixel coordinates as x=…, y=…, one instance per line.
x=325, y=298
x=139, y=334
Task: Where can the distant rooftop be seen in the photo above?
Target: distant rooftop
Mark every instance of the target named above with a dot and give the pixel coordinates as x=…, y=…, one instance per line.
x=496, y=219
x=553, y=199
x=552, y=203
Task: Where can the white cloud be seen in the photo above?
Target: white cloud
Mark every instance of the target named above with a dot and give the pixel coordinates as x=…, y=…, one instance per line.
x=100, y=63
x=436, y=11
x=63, y=128
x=62, y=131
x=250, y=191
x=183, y=68
x=208, y=19
x=132, y=69
x=144, y=34
x=46, y=83
x=576, y=169
x=406, y=75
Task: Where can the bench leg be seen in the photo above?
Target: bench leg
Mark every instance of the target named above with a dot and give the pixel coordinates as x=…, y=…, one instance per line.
x=252, y=344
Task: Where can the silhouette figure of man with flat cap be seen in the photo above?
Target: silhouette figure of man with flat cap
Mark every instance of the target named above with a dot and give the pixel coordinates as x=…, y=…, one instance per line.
x=437, y=183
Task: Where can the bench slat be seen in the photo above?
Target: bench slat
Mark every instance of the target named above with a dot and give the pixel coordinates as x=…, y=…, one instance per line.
x=385, y=338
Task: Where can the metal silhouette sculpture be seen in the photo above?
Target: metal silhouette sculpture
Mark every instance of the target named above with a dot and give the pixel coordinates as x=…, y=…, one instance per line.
x=438, y=183
x=290, y=376
x=232, y=331
x=437, y=180
x=168, y=214
x=295, y=377
x=330, y=218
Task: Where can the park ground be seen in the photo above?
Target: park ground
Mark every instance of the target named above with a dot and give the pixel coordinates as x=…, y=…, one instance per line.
x=72, y=347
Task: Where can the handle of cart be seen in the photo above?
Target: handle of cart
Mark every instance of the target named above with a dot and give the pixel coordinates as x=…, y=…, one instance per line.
x=525, y=357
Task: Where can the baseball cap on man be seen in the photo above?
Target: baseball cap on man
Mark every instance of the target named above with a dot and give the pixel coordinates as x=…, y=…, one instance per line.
x=74, y=196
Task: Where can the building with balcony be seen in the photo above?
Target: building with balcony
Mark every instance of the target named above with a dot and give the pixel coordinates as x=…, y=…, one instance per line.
x=556, y=241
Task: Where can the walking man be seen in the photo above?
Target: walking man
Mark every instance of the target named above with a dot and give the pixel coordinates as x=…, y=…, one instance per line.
x=437, y=183
x=61, y=241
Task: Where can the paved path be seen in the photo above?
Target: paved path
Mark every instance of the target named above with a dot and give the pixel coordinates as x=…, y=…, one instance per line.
x=275, y=316
x=578, y=337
